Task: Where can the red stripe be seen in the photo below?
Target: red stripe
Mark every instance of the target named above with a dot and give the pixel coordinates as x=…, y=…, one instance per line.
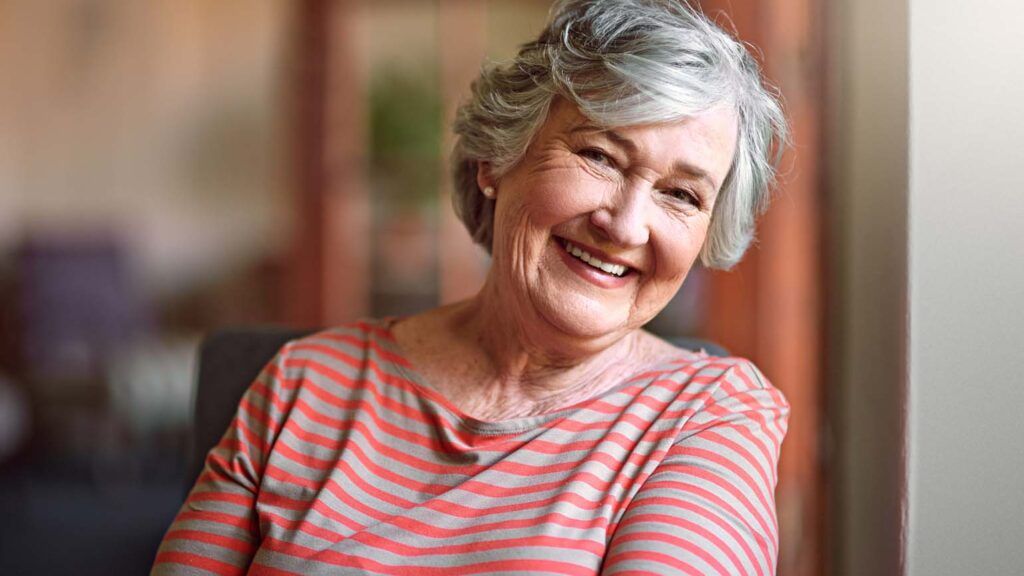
x=355, y=341
x=472, y=486
x=303, y=526
x=736, y=471
x=339, y=559
x=551, y=518
x=243, y=522
x=691, y=507
x=228, y=542
x=778, y=409
x=448, y=549
x=373, y=467
x=197, y=561
x=419, y=528
x=318, y=506
x=649, y=556
x=261, y=570
x=241, y=500
x=659, y=520
x=759, y=531
x=441, y=506
x=742, y=451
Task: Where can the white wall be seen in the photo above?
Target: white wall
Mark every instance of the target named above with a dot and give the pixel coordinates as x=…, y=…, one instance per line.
x=927, y=213
x=966, y=228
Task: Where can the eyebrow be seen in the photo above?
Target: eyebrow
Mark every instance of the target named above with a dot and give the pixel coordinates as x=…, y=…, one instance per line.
x=678, y=166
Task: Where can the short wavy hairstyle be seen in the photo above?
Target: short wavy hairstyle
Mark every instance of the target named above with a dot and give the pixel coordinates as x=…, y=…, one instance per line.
x=624, y=63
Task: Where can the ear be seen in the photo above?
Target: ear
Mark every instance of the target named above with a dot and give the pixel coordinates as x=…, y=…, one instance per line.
x=483, y=175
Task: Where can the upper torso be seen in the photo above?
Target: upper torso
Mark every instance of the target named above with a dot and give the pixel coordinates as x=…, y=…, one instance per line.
x=359, y=466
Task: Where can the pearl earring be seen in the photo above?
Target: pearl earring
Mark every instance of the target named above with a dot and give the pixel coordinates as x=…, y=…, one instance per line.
x=489, y=192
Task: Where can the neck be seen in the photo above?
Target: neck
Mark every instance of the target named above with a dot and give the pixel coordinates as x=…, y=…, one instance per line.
x=522, y=361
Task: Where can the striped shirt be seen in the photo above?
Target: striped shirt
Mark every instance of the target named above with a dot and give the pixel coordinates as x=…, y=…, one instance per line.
x=342, y=460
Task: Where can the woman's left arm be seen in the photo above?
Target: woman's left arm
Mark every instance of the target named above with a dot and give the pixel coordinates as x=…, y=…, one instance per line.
x=709, y=508
x=216, y=530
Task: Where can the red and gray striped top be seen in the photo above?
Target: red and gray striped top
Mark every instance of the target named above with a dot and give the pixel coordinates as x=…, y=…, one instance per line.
x=342, y=460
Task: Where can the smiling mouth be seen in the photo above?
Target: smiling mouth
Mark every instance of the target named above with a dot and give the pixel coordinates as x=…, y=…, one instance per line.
x=616, y=270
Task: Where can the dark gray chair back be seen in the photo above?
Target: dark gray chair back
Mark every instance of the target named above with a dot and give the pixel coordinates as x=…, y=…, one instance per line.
x=229, y=361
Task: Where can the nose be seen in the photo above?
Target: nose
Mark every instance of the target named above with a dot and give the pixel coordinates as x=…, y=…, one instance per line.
x=623, y=217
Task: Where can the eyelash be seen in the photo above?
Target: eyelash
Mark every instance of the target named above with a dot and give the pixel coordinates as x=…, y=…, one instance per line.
x=684, y=195
x=592, y=154
x=596, y=155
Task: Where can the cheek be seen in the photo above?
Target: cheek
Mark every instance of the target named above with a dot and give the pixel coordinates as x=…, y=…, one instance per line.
x=524, y=220
x=672, y=270
x=655, y=293
x=562, y=200
x=678, y=253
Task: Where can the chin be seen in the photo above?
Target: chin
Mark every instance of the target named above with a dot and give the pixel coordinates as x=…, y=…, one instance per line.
x=581, y=318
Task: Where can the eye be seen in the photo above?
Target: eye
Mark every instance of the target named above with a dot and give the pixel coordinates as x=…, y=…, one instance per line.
x=596, y=156
x=684, y=195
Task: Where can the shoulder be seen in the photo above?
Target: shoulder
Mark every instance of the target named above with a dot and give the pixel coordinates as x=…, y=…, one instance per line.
x=705, y=363
x=740, y=385
x=713, y=386
x=349, y=341
x=734, y=393
x=342, y=352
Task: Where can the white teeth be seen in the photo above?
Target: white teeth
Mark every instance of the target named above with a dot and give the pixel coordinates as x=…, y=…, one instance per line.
x=616, y=269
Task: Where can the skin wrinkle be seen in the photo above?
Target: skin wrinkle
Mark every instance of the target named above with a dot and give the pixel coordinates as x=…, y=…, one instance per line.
x=538, y=337
x=705, y=195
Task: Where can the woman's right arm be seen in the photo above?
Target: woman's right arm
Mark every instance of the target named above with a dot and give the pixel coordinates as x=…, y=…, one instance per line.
x=216, y=529
x=709, y=507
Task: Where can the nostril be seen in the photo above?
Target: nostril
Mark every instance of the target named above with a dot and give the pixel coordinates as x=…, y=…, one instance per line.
x=603, y=222
x=602, y=217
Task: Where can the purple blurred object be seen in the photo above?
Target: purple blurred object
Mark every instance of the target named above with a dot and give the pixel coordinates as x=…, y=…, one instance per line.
x=76, y=303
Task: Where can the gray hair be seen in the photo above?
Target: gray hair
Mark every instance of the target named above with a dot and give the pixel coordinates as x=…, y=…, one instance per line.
x=623, y=63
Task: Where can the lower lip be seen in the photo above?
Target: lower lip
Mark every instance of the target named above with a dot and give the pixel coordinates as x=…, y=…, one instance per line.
x=589, y=273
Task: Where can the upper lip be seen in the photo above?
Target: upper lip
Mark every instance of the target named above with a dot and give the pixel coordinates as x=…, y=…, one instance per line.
x=601, y=254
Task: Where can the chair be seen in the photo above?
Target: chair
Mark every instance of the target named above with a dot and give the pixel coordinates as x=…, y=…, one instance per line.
x=229, y=360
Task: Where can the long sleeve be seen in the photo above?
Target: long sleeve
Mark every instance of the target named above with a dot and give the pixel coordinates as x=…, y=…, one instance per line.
x=215, y=531
x=709, y=507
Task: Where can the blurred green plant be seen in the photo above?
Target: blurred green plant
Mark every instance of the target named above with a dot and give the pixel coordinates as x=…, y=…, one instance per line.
x=405, y=137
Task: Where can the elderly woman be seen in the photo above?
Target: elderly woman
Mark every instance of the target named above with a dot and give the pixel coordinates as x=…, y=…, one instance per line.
x=536, y=427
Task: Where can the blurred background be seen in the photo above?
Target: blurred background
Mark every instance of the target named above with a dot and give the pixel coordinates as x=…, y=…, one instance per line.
x=169, y=167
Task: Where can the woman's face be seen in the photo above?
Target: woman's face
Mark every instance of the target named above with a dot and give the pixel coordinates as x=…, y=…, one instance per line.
x=638, y=199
